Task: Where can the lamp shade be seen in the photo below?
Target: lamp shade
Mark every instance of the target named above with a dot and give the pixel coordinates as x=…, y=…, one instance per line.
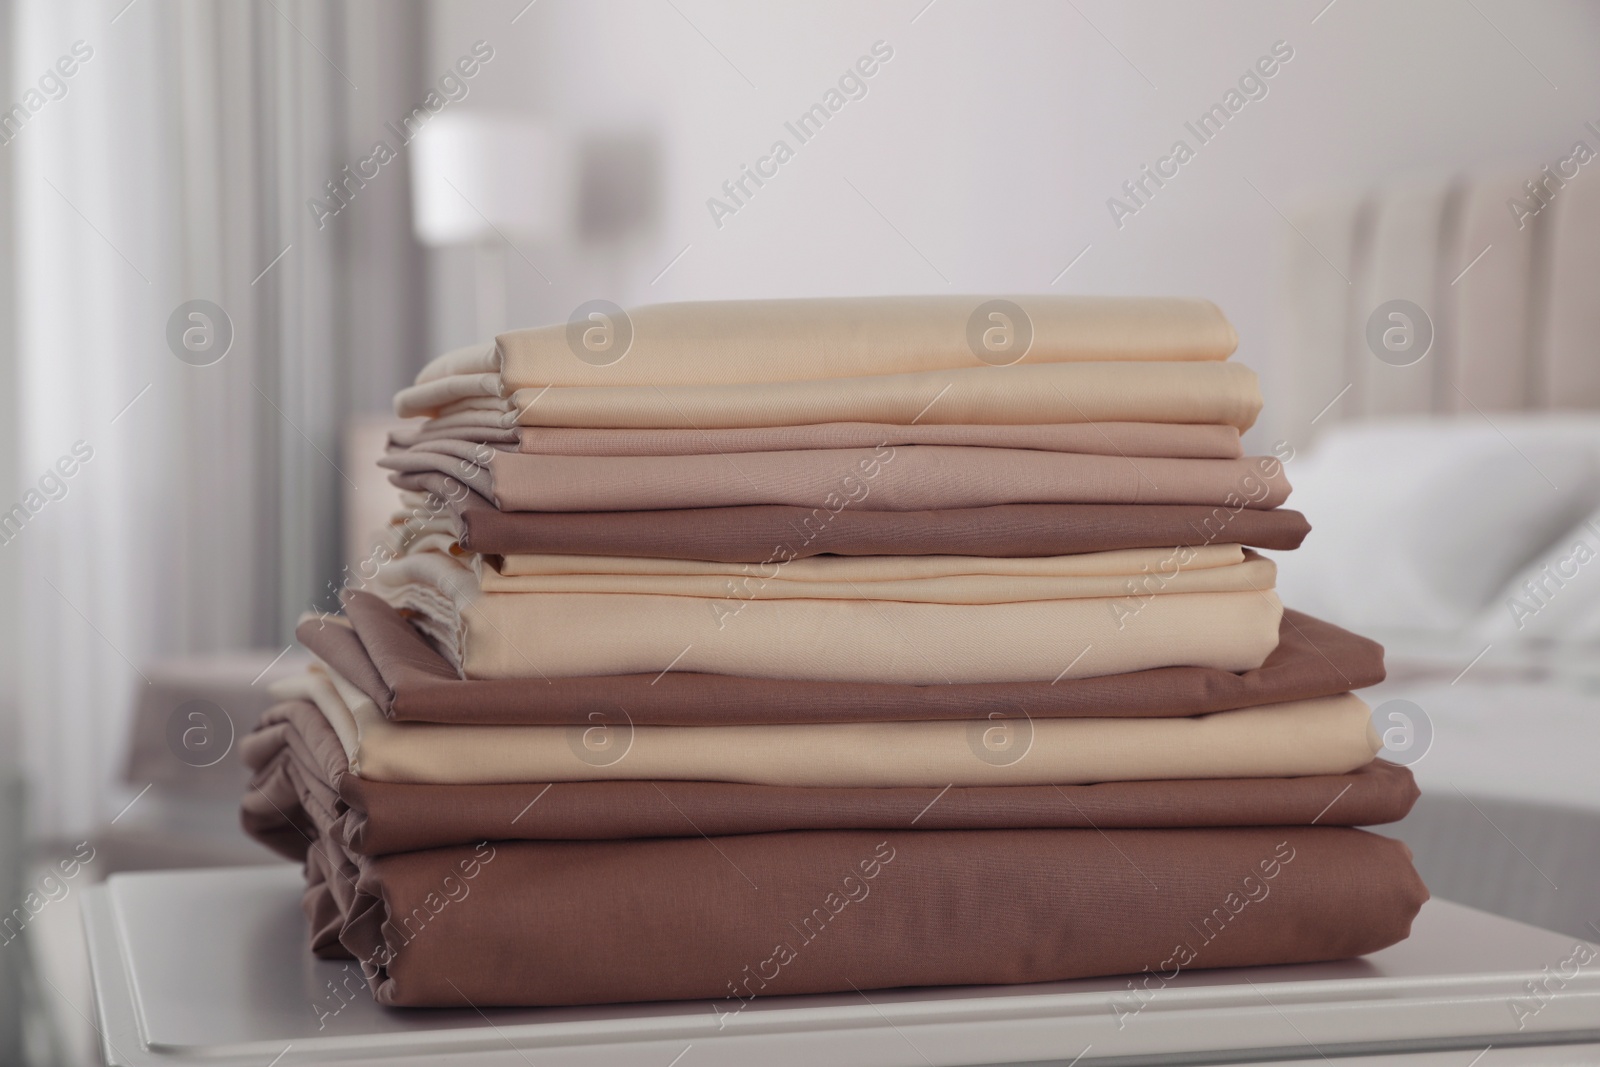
x=477, y=177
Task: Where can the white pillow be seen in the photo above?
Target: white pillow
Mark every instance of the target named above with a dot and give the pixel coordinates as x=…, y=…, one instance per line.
x=1419, y=524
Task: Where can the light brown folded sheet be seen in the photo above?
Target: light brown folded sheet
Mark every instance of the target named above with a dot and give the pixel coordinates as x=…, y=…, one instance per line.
x=1327, y=735
x=384, y=656
x=301, y=784
x=1171, y=440
x=763, y=534
x=909, y=579
x=763, y=341
x=1025, y=394
x=552, y=635
x=731, y=918
x=889, y=478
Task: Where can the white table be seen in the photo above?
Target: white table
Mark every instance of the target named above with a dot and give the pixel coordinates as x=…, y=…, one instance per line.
x=211, y=967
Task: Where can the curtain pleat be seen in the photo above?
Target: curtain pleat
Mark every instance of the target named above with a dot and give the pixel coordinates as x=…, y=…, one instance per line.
x=178, y=167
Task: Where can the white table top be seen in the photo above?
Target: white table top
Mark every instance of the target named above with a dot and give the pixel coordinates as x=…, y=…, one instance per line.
x=211, y=967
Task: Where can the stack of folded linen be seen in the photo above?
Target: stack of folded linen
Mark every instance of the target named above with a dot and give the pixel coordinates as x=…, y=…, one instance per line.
x=931, y=624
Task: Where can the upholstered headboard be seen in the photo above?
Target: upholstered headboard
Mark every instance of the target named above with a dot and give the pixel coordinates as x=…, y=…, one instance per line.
x=1506, y=269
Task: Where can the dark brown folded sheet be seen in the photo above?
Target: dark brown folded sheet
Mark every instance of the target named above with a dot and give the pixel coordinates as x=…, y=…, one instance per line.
x=387, y=659
x=766, y=533
x=727, y=919
x=301, y=790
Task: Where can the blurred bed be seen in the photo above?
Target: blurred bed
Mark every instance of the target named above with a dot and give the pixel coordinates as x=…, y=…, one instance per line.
x=1454, y=493
x=1473, y=553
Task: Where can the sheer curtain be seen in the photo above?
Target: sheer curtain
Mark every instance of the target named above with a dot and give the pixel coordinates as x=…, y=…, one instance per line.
x=202, y=509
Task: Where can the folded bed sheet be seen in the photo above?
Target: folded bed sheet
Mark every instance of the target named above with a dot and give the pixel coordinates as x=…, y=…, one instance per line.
x=1122, y=563
x=796, y=340
x=729, y=918
x=908, y=579
x=1026, y=394
x=385, y=656
x=445, y=429
x=301, y=786
x=888, y=478
x=553, y=635
x=834, y=337
x=1325, y=735
x=1093, y=438
x=1172, y=440
x=763, y=534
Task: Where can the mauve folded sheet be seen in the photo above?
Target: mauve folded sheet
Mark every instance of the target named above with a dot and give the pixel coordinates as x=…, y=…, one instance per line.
x=887, y=478
x=301, y=786
x=383, y=655
x=761, y=341
x=767, y=533
x=729, y=918
x=1174, y=440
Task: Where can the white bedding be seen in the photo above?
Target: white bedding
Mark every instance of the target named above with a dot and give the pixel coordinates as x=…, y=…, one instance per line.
x=1424, y=532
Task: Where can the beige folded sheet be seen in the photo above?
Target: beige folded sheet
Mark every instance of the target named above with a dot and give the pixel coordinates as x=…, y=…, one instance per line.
x=794, y=340
x=912, y=579
x=1326, y=735
x=533, y=635
x=1177, y=440
x=1024, y=394
x=1174, y=440
x=1116, y=562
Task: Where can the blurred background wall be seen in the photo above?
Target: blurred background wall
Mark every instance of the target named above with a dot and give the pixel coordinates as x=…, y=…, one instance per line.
x=185, y=158
x=984, y=153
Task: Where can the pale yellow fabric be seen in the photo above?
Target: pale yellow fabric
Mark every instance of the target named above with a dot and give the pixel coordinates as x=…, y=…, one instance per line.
x=1122, y=561
x=1329, y=735
x=905, y=478
x=1024, y=394
x=795, y=340
x=1174, y=440
x=976, y=586
x=522, y=635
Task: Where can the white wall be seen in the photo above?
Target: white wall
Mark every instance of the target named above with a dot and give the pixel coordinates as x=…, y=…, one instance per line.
x=993, y=138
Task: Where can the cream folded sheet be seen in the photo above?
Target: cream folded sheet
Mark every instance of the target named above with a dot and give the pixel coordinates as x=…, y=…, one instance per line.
x=534, y=635
x=912, y=579
x=1326, y=735
x=796, y=340
x=1024, y=394
x=439, y=394
x=887, y=478
x=1173, y=440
